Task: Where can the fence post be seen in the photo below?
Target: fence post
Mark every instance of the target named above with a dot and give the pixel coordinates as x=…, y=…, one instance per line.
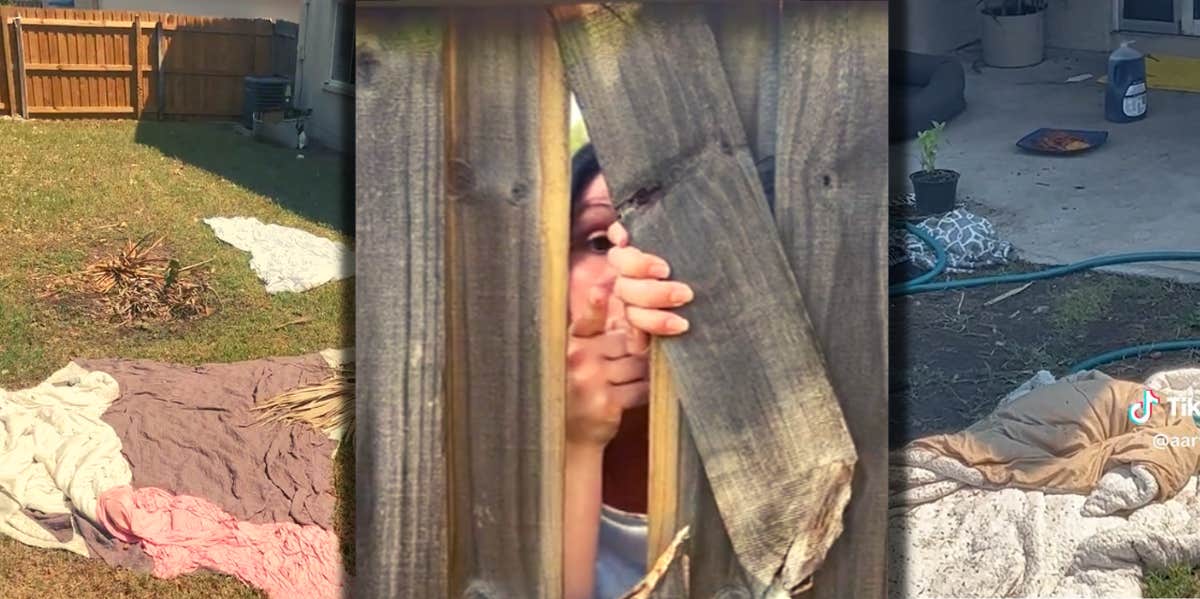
x=9, y=59
x=135, y=58
x=831, y=209
x=20, y=67
x=506, y=303
x=400, y=403
x=160, y=86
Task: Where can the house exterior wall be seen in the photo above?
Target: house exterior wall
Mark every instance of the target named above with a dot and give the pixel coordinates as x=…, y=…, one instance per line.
x=288, y=10
x=939, y=26
x=1079, y=24
x=332, y=121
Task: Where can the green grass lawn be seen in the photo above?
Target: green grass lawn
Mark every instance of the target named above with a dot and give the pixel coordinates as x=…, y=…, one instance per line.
x=70, y=190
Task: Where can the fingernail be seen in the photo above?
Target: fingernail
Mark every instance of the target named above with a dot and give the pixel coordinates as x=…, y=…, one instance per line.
x=682, y=295
x=660, y=270
x=678, y=324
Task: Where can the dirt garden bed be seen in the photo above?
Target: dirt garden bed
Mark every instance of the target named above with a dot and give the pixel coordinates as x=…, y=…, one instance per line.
x=952, y=356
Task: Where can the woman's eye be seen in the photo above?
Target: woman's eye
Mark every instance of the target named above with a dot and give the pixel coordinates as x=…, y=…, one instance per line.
x=599, y=243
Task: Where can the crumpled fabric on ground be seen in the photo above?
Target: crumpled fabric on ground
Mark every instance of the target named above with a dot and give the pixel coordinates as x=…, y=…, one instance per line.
x=970, y=240
x=100, y=544
x=1063, y=437
x=182, y=534
x=284, y=258
x=56, y=454
x=190, y=430
x=976, y=542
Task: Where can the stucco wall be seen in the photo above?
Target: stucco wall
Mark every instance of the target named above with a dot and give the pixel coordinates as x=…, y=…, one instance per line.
x=332, y=121
x=1079, y=24
x=288, y=10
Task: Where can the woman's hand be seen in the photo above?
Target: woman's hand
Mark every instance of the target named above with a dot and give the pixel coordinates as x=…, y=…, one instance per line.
x=642, y=287
x=605, y=375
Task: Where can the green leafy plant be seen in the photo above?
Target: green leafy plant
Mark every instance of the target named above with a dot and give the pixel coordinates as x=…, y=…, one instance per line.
x=929, y=140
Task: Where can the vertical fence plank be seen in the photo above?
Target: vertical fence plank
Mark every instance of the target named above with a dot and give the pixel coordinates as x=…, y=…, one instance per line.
x=675, y=473
x=508, y=231
x=19, y=66
x=659, y=109
x=832, y=216
x=160, y=84
x=746, y=40
x=9, y=59
x=400, y=525
x=135, y=58
x=747, y=36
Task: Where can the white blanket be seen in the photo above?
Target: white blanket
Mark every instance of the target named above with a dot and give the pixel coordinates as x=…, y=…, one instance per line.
x=949, y=539
x=285, y=259
x=56, y=453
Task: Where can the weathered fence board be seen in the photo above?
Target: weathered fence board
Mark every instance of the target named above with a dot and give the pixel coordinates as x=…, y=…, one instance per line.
x=8, y=97
x=508, y=223
x=401, y=524
x=747, y=36
x=761, y=410
x=831, y=209
x=675, y=475
x=122, y=62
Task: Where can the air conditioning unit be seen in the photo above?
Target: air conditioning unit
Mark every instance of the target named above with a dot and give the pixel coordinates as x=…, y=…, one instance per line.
x=263, y=94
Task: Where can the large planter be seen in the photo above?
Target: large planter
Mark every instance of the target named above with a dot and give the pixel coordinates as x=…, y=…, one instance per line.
x=935, y=192
x=1014, y=41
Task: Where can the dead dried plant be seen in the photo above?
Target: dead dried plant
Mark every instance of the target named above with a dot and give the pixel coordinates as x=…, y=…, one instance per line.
x=139, y=282
x=327, y=406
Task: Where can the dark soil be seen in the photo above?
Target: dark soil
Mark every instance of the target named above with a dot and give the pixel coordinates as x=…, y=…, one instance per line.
x=934, y=177
x=952, y=358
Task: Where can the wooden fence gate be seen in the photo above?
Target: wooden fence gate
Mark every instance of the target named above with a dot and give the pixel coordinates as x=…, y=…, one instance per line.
x=768, y=418
x=104, y=63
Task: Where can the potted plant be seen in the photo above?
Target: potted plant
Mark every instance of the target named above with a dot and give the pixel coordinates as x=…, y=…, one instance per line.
x=1014, y=32
x=934, y=189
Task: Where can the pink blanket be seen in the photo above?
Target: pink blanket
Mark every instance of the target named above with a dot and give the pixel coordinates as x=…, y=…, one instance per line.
x=182, y=534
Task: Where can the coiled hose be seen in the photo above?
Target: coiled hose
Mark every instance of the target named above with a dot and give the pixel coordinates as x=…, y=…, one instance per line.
x=923, y=284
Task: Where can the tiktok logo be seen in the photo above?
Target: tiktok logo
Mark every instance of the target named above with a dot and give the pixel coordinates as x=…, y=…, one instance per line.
x=1139, y=413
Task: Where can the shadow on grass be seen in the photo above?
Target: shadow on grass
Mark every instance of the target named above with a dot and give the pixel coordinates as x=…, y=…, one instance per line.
x=319, y=187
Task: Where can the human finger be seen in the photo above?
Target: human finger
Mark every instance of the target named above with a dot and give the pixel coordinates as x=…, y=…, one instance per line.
x=632, y=262
x=650, y=293
x=627, y=369
x=631, y=395
x=595, y=315
x=656, y=322
x=637, y=342
x=618, y=235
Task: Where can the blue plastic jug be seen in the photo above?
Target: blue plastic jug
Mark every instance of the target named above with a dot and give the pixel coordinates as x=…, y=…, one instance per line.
x=1125, y=98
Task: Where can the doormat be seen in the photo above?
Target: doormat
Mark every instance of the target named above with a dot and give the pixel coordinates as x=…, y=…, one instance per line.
x=1175, y=73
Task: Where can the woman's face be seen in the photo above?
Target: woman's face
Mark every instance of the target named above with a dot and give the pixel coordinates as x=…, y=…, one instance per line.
x=589, y=246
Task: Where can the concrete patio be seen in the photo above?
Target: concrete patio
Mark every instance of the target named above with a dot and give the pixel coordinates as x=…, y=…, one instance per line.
x=1139, y=192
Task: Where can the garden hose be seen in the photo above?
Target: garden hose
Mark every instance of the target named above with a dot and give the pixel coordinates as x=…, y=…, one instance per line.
x=922, y=284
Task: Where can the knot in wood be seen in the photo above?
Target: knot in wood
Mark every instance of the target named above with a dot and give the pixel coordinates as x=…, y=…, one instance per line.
x=519, y=193
x=642, y=197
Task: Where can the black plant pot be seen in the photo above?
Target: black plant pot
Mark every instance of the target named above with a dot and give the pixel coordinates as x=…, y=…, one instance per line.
x=935, y=191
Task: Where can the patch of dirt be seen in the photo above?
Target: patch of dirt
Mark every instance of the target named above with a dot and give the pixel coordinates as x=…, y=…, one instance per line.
x=952, y=357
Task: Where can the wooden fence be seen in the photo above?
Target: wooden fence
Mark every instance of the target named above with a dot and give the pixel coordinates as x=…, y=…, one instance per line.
x=768, y=418
x=67, y=62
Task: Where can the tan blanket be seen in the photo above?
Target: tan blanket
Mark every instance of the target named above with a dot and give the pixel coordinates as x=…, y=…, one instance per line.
x=1065, y=436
